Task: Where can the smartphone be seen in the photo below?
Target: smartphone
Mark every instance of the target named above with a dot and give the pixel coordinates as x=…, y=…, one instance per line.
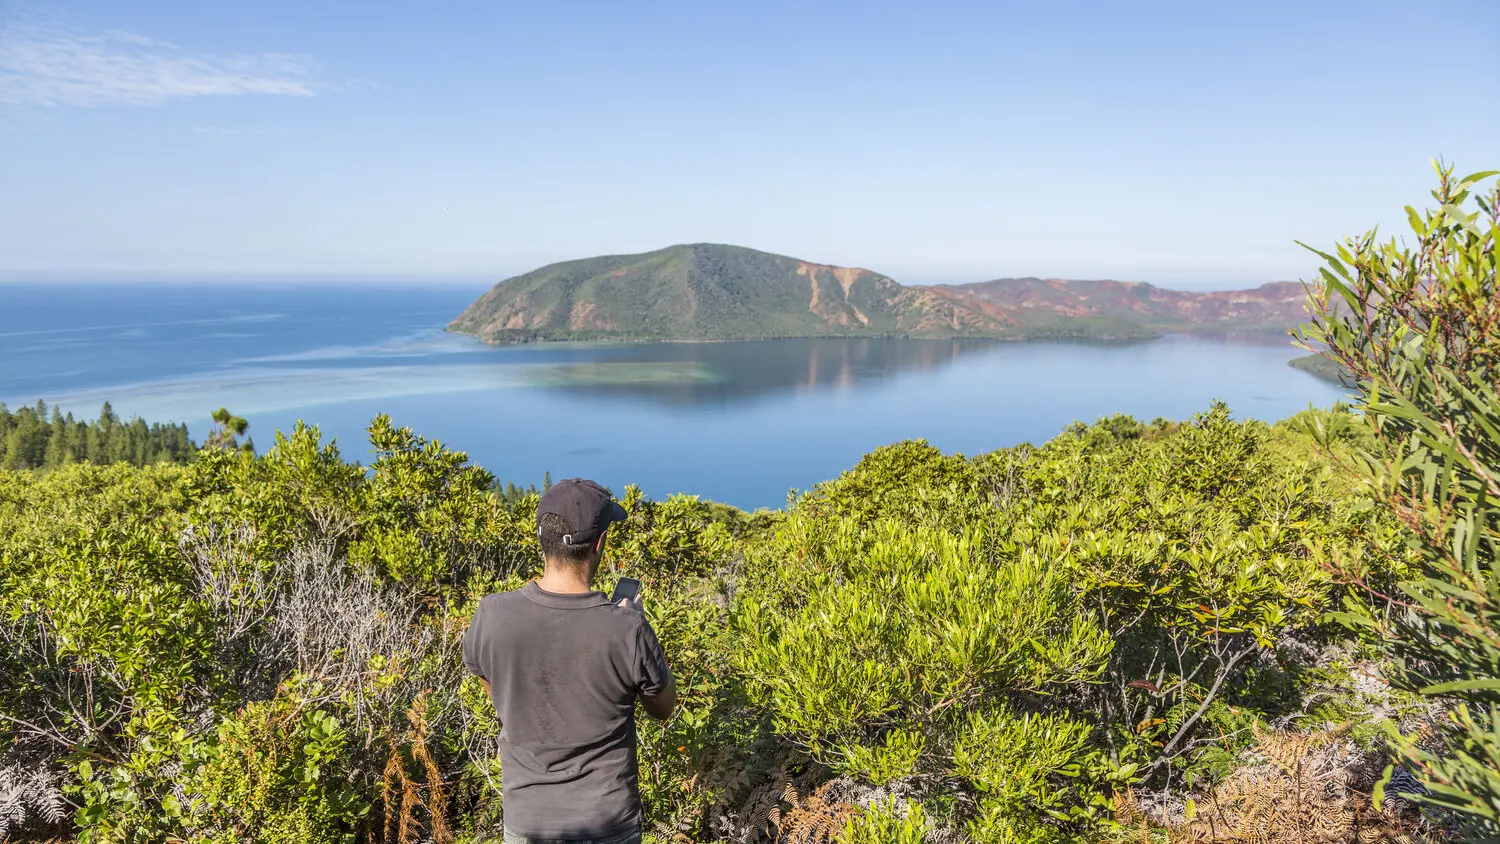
x=625, y=587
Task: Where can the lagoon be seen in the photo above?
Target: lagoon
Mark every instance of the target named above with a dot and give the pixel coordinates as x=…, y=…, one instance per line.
x=742, y=423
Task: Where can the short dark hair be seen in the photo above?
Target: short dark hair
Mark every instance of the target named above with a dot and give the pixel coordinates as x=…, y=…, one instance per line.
x=551, y=528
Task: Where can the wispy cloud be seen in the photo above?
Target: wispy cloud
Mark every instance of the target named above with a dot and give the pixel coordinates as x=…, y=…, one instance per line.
x=50, y=66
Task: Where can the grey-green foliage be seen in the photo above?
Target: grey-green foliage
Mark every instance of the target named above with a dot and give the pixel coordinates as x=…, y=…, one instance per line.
x=1418, y=325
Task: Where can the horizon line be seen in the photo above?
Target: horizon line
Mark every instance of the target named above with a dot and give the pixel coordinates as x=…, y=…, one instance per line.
x=490, y=279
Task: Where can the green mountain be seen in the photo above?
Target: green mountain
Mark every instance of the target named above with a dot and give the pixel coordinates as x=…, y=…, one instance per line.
x=713, y=292
x=716, y=292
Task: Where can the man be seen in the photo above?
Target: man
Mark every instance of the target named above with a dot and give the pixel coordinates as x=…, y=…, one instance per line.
x=564, y=667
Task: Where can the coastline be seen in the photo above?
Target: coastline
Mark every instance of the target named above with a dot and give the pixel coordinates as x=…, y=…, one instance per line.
x=1063, y=336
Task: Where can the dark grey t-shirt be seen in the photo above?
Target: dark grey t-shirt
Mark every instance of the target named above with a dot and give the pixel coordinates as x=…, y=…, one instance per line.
x=564, y=673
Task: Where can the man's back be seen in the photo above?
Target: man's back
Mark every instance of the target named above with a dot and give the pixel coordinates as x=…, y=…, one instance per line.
x=564, y=672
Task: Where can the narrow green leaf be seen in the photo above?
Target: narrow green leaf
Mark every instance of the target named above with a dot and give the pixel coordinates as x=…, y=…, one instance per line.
x=1462, y=686
x=1474, y=177
x=1461, y=218
x=1377, y=794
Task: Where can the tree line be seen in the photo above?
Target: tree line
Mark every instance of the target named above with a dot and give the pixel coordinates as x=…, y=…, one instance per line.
x=39, y=437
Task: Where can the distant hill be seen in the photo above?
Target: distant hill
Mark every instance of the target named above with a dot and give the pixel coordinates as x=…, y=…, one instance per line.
x=713, y=292
x=717, y=292
x=1126, y=306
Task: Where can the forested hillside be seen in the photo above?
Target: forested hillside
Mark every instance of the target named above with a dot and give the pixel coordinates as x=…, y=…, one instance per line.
x=710, y=292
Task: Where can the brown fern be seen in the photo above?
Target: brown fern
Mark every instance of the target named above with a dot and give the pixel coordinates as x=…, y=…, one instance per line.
x=815, y=819
x=404, y=792
x=762, y=807
x=436, y=802
x=392, y=782
x=1303, y=793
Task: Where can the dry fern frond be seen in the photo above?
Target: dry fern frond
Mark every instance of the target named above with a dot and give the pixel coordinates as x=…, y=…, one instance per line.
x=747, y=805
x=815, y=819
x=30, y=795
x=1308, y=789
x=404, y=792
x=762, y=807
x=1128, y=811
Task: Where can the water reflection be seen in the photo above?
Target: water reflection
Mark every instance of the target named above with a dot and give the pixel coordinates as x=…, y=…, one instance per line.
x=722, y=373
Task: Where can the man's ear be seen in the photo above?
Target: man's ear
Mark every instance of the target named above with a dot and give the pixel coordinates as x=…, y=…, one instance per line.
x=599, y=542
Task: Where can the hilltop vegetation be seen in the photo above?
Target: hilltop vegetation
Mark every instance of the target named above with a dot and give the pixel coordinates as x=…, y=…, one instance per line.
x=714, y=292
x=996, y=642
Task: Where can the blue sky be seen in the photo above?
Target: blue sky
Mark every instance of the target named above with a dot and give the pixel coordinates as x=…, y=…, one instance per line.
x=1186, y=143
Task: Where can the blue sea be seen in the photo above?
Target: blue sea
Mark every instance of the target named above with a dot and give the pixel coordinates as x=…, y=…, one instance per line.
x=742, y=423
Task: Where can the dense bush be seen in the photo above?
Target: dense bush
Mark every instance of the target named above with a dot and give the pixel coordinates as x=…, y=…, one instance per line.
x=265, y=647
x=912, y=652
x=1418, y=328
x=930, y=616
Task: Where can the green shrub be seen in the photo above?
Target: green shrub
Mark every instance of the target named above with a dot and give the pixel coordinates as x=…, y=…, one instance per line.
x=890, y=662
x=886, y=823
x=680, y=538
x=910, y=480
x=1200, y=551
x=274, y=772
x=102, y=634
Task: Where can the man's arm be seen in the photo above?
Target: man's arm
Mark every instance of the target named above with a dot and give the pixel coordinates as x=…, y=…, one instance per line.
x=661, y=704
x=470, y=650
x=655, y=674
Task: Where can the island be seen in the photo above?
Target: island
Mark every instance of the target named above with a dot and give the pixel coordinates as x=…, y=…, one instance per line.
x=1322, y=367
x=707, y=292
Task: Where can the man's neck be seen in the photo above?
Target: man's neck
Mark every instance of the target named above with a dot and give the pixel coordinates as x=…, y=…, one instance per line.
x=563, y=581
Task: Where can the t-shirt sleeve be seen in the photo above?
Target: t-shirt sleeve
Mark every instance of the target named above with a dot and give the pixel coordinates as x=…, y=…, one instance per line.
x=471, y=642
x=652, y=673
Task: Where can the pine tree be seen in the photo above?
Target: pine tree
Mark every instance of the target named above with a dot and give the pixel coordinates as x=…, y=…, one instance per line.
x=26, y=445
x=227, y=430
x=57, y=441
x=7, y=422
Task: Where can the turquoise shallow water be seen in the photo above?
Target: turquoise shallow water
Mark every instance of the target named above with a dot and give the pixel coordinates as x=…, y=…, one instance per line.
x=737, y=422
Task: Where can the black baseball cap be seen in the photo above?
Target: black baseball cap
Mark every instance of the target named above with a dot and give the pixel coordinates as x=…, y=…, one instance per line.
x=584, y=506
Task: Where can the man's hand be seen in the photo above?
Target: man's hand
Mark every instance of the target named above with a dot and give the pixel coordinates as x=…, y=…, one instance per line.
x=632, y=603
